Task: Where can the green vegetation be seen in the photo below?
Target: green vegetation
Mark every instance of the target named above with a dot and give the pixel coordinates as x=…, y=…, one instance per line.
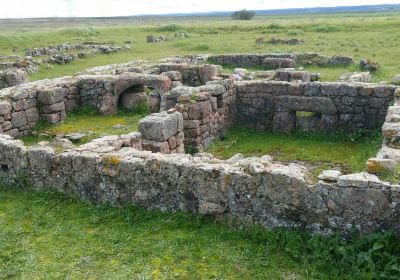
x=243, y=15
x=48, y=236
x=89, y=121
x=347, y=152
x=370, y=36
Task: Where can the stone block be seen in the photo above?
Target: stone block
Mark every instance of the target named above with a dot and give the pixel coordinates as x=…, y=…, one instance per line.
x=191, y=124
x=155, y=146
x=29, y=103
x=51, y=118
x=5, y=107
x=172, y=143
x=173, y=75
x=54, y=108
x=32, y=115
x=360, y=180
x=7, y=125
x=330, y=175
x=18, y=119
x=207, y=72
x=160, y=126
x=376, y=165
x=51, y=96
x=179, y=139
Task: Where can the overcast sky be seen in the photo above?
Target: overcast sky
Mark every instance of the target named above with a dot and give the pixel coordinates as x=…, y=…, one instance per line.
x=90, y=8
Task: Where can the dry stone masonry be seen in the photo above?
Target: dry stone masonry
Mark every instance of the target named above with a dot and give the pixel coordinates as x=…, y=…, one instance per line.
x=193, y=105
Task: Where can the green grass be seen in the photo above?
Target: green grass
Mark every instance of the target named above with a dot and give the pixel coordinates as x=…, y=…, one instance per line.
x=49, y=236
x=87, y=119
x=371, y=36
x=347, y=152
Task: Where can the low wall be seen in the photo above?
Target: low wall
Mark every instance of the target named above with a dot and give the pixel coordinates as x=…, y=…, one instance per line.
x=300, y=58
x=346, y=106
x=252, y=189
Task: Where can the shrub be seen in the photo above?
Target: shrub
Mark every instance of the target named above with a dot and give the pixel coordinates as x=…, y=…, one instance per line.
x=170, y=28
x=243, y=15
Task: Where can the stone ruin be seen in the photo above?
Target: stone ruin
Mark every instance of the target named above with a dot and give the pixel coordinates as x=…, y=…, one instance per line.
x=59, y=54
x=193, y=105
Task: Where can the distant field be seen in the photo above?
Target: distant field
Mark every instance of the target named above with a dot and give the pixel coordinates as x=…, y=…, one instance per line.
x=375, y=36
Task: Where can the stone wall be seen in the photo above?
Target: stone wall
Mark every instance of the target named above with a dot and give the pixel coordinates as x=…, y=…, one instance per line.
x=192, y=75
x=278, y=60
x=345, y=106
x=22, y=106
x=113, y=170
x=208, y=112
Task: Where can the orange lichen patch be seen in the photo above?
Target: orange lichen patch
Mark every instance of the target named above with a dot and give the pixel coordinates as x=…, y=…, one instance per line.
x=374, y=167
x=227, y=182
x=112, y=160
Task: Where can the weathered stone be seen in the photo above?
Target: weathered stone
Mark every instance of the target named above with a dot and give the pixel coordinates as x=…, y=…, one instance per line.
x=51, y=96
x=5, y=107
x=133, y=100
x=32, y=115
x=207, y=72
x=160, y=126
x=18, y=119
x=155, y=146
x=360, y=180
x=330, y=175
x=173, y=75
x=54, y=108
x=376, y=165
x=51, y=118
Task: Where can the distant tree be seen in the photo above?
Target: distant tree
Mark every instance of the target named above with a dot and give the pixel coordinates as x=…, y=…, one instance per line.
x=243, y=15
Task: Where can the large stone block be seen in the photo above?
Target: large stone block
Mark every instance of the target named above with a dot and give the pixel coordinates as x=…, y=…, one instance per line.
x=18, y=119
x=5, y=107
x=52, y=96
x=160, y=126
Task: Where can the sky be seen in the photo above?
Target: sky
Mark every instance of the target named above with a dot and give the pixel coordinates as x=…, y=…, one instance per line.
x=101, y=8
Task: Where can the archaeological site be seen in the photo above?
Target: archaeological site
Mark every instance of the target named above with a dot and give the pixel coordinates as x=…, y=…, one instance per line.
x=192, y=103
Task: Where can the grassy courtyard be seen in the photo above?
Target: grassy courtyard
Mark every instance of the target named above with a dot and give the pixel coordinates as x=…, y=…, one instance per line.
x=349, y=153
x=90, y=122
x=48, y=236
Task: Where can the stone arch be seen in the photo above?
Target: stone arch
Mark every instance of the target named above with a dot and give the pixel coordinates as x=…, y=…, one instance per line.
x=127, y=85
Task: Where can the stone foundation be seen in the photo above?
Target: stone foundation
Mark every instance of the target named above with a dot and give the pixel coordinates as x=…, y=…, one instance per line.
x=148, y=168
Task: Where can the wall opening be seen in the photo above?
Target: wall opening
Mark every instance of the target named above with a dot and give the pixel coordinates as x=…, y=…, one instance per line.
x=132, y=98
x=308, y=121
